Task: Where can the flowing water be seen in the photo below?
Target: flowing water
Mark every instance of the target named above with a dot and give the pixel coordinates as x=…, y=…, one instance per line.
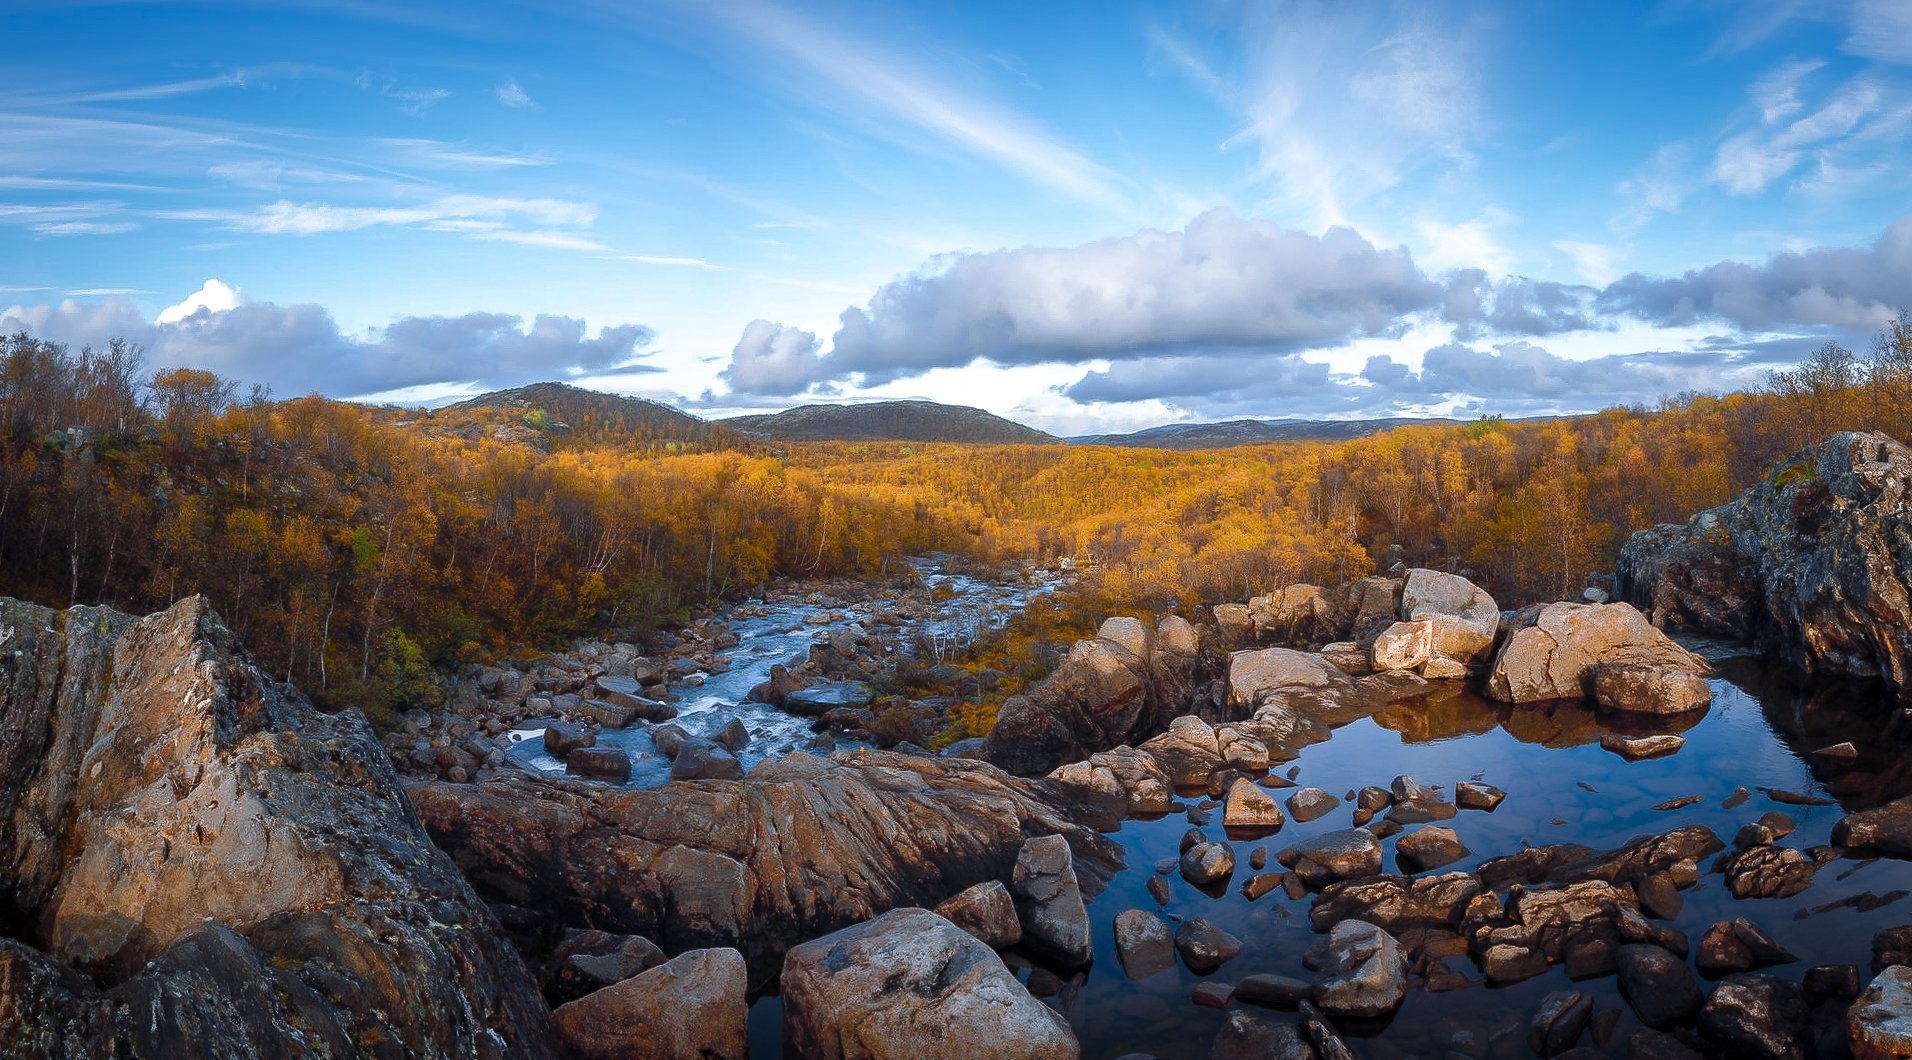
x=775, y=631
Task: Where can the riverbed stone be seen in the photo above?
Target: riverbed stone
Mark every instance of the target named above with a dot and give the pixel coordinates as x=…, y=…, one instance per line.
x=816, y=700
x=1471, y=795
x=732, y=736
x=1886, y=829
x=1757, y=1015
x=1248, y=1036
x=1635, y=748
x=599, y=763
x=1558, y=1022
x=1307, y=804
x=1188, y=751
x=1658, y=984
x=910, y=984
x=986, y=911
x=692, y=1005
x=1204, y=946
x=1347, y=854
x=1432, y=847
x=562, y=737
x=1207, y=863
x=700, y=759
x=1049, y=899
x=1143, y=943
x=1363, y=971
x=1632, y=688
x=1249, y=807
x=1768, y=872
x=1879, y=1024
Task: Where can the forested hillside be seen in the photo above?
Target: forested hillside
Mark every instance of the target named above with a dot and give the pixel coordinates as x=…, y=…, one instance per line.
x=354, y=547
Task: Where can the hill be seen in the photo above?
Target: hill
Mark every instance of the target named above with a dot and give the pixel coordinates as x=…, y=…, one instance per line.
x=888, y=421
x=566, y=414
x=1249, y=432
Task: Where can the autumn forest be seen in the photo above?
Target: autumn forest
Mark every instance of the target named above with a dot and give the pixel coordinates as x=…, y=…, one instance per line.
x=357, y=548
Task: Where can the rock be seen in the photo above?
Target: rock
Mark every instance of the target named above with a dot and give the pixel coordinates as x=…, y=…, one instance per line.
x=1721, y=953
x=1212, y=994
x=1635, y=748
x=1886, y=829
x=1402, y=646
x=1207, y=863
x=817, y=700
x=803, y=846
x=911, y=984
x=1249, y=807
x=599, y=763
x=1464, y=620
x=701, y=759
x=1049, y=900
x=1810, y=561
x=669, y=739
x=1557, y=1024
x=1176, y=637
x=1771, y=827
x=1550, y=652
x=1257, y=677
x=1658, y=985
x=986, y=911
x=1306, y=804
x=1658, y=1045
x=1124, y=773
x=1398, y=904
x=1101, y=695
x=561, y=738
x=192, y=833
x=733, y=737
x=1757, y=1015
x=1432, y=847
x=1832, y=980
x=1189, y=751
x=1143, y=943
x=1236, y=624
x=1204, y=946
x=1879, y=1024
x=692, y=1005
x=1634, y=689
x=1842, y=753
x=1247, y=1036
x=1768, y=872
x=1131, y=634
x=1277, y=991
x=1472, y=796
x=1364, y=974
x=1348, y=854
x=590, y=960
x=781, y=684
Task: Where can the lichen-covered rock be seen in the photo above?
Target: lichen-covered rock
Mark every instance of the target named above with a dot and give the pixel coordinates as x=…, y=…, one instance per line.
x=1879, y=1024
x=1254, y=677
x=691, y=1005
x=1813, y=561
x=1101, y=695
x=217, y=854
x=910, y=985
x=1551, y=652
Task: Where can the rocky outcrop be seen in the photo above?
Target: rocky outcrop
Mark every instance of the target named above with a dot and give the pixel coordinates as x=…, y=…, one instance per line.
x=910, y=985
x=802, y=846
x=1879, y=1024
x=1552, y=651
x=1815, y=562
x=235, y=872
x=1310, y=615
x=1118, y=688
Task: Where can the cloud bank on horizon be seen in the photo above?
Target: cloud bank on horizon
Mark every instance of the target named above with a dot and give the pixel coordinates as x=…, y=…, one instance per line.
x=1084, y=218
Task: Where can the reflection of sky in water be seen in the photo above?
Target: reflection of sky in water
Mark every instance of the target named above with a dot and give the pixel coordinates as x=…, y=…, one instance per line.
x=780, y=636
x=1540, y=756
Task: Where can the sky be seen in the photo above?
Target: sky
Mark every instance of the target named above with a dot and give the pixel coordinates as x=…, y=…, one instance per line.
x=1085, y=216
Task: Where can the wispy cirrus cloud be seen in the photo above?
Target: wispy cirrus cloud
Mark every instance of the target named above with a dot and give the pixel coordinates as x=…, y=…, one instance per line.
x=916, y=97
x=512, y=95
x=467, y=213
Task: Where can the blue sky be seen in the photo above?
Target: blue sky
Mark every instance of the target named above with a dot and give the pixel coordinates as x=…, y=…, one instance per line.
x=1085, y=216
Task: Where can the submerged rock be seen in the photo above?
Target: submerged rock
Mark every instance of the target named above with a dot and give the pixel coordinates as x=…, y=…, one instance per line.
x=910, y=985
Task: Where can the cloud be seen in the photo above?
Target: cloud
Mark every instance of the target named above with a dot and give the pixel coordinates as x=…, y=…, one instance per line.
x=84, y=228
x=989, y=131
x=513, y=96
x=1846, y=287
x=1595, y=262
x=299, y=348
x=452, y=213
x=213, y=296
x=1848, y=124
x=1881, y=29
x=772, y=358
x=1223, y=282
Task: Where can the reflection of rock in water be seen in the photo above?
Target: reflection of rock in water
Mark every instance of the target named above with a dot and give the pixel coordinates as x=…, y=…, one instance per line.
x=1809, y=714
x=1448, y=712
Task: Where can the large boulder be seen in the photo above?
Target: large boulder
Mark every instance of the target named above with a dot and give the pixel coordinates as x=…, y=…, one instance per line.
x=1551, y=651
x=910, y=985
x=1362, y=971
x=1261, y=676
x=1886, y=829
x=235, y=872
x=1100, y=696
x=1049, y=899
x=1879, y=1024
x=801, y=847
x=692, y=1005
x=1463, y=619
x=1812, y=562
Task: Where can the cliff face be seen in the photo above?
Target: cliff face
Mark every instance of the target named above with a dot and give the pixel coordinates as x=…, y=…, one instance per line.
x=195, y=861
x=1815, y=562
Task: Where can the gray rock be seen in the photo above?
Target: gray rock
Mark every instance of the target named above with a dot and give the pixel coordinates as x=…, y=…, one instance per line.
x=701, y=759
x=1054, y=920
x=733, y=737
x=1307, y=804
x=1207, y=863
x=1635, y=748
x=1348, y=854
x=1879, y=1024
x=911, y=984
x=1432, y=847
x=1634, y=689
x=1558, y=1023
x=817, y=700
x=599, y=763
x=1143, y=943
x=1472, y=796
x=1204, y=946
x=1248, y=1036
x=1364, y=973
x=1551, y=652
x=561, y=738
x=1886, y=829
x=986, y=911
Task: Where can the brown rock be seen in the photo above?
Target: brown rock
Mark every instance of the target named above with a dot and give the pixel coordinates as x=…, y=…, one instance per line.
x=692, y=1005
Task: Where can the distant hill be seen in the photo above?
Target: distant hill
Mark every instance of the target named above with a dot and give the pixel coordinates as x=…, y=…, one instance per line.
x=888, y=421
x=565, y=413
x=1249, y=432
